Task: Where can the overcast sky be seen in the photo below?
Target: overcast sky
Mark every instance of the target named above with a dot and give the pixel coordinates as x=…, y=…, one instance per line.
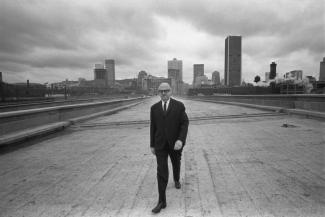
x=51, y=40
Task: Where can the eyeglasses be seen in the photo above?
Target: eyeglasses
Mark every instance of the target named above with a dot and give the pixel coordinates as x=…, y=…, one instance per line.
x=163, y=91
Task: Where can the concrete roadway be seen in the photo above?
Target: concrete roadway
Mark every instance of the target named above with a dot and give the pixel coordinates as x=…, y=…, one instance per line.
x=237, y=162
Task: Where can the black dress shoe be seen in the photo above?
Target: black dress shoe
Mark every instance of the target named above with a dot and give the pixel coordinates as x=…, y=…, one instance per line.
x=177, y=185
x=160, y=205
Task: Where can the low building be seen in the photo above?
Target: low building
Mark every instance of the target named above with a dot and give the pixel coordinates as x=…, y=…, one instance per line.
x=201, y=80
x=65, y=84
x=293, y=75
x=141, y=76
x=129, y=83
x=151, y=83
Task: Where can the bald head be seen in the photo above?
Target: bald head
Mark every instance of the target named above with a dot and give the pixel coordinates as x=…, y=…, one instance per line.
x=164, y=86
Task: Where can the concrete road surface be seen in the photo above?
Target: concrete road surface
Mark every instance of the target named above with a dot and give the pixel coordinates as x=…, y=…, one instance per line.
x=237, y=162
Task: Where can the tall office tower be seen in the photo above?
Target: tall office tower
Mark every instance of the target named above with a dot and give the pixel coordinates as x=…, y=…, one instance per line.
x=175, y=69
x=322, y=70
x=198, y=71
x=233, y=60
x=272, y=74
x=0, y=76
x=99, y=72
x=110, y=71
x=216, y=77
x=100, y=75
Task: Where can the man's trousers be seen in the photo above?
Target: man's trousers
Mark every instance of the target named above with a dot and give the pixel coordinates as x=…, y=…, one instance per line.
x=162, y=169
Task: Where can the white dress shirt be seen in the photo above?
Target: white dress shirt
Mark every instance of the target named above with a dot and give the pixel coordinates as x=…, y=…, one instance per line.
x=167, y=104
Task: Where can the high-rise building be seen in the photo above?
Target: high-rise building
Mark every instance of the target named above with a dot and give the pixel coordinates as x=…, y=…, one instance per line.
x=175, y=69
x=110, y=71
x=99, y=75
x=198, y=71
x=175, y=73
x=322, y=70
x=215, y=78
x=272, y=74
x=105, y=75
x=233, y=66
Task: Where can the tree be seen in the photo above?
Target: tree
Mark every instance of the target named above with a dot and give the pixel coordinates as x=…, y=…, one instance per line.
x=257, y=79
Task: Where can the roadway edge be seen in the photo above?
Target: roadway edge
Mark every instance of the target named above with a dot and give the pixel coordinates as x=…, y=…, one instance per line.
x=25, y=135
x=289, y=111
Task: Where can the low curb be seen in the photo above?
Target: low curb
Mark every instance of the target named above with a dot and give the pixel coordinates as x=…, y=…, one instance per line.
x=32, y=133
x=300, y=112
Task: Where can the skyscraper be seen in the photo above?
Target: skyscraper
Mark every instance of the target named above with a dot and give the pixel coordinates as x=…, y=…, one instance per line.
x=175, y=74
x=110, y=71
x=198, y=71
x=272, y=74
x=100, y=75
x=216, y=78
x=233, y=60
x=175, y=69
x=322, y=70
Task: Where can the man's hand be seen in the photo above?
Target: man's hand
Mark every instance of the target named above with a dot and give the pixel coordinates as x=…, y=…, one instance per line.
x=153, y=150
x=178, y=145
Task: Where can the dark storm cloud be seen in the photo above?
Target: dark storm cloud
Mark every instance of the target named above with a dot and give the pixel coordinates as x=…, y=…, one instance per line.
x=63, y=34
x=26, y=26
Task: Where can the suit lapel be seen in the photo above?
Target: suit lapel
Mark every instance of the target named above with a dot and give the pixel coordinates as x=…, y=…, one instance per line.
x=169, y=106
x=160, y=108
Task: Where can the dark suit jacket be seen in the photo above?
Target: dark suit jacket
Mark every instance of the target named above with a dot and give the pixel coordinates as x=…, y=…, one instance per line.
x=169, y=127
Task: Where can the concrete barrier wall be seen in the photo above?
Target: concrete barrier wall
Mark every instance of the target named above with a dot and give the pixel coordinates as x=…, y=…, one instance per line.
x=20, y=120
x=314, y=102
x=315, y=106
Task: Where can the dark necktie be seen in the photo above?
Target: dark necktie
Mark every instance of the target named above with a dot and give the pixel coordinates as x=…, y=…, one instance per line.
x=165, y=107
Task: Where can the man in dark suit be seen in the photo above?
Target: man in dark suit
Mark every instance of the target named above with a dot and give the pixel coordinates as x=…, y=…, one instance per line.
x=168, y=131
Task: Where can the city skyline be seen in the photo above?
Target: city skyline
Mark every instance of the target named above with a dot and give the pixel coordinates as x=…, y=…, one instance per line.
x=43, y=43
